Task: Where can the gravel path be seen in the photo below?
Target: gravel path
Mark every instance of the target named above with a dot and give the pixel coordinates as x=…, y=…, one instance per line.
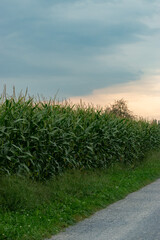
x=137, y=217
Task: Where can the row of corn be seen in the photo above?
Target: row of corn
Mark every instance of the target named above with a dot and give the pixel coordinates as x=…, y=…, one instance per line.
x=42, y=139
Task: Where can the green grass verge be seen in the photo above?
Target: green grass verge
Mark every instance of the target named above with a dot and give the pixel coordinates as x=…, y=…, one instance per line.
x=33, y=210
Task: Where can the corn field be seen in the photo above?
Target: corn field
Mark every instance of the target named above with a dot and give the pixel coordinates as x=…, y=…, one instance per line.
x=41, y=139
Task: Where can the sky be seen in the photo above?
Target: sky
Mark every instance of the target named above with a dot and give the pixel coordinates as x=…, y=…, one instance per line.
x=95, y=50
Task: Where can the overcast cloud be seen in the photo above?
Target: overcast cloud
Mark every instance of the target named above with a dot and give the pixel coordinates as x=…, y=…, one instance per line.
x=77, y=46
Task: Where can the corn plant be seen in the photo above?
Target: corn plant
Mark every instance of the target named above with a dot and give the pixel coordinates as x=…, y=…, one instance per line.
x=41, y=139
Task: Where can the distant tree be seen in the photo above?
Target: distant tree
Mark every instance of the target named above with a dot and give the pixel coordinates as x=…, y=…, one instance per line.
x=120, y=109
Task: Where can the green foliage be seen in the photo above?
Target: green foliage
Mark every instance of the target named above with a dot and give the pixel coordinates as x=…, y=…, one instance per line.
x=120, y=109
x=41, y=139
x=19, y=194
x=66, y=198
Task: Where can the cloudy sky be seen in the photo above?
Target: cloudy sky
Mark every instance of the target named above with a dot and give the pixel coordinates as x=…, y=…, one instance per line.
x=96, y=50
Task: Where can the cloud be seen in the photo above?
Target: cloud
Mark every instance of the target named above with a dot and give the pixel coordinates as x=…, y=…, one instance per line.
x=142, y=96
x=77, y=45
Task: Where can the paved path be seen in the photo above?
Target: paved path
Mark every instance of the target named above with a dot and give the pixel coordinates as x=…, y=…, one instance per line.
x=137, y=217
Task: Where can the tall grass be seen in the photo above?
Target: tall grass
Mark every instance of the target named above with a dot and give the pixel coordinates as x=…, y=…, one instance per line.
x=42, y=139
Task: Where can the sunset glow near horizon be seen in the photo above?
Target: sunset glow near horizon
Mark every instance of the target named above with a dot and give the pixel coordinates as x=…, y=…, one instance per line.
x=95, y=50
x=142, y=97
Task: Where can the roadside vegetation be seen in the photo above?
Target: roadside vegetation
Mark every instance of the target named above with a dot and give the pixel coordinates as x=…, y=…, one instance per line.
x=40, y=140
x=60, y=163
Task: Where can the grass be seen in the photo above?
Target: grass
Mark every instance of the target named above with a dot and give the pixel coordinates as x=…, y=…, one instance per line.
x=31, y=210
x=61, y=163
